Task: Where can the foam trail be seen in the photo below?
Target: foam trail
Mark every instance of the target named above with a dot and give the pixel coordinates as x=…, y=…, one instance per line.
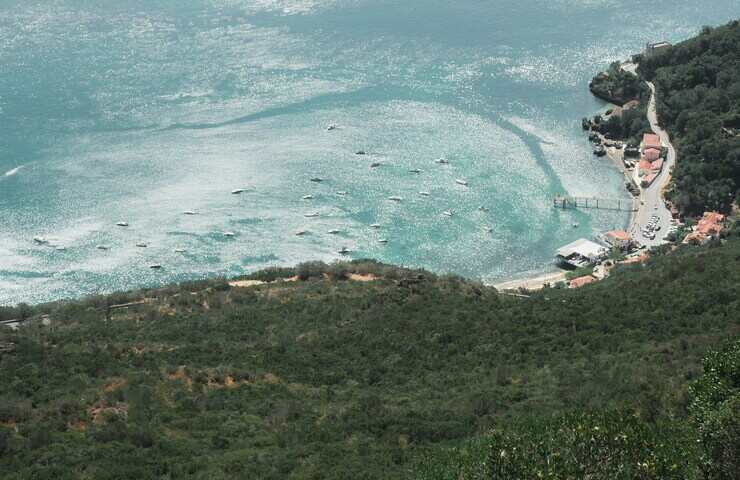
x=12, y=172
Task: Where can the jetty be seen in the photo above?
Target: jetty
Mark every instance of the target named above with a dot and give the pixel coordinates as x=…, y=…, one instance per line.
x=566, y=202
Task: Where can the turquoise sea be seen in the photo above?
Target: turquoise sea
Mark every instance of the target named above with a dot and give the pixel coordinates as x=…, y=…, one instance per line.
x=139, y=110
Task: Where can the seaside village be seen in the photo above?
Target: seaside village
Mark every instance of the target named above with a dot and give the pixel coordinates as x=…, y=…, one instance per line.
x=642, y=165
x=590, y=261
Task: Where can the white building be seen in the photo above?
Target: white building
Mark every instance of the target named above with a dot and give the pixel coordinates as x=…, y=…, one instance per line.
x=655, y=48
x=581, y=253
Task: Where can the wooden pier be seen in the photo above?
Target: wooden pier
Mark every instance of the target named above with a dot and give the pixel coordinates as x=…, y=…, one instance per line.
x=624, y=205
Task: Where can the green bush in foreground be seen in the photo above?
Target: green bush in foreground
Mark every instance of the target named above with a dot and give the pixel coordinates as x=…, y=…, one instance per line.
x=613, y=444
x=716, y=410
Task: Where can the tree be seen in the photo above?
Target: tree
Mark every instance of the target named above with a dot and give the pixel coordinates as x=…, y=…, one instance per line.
x=716, y=411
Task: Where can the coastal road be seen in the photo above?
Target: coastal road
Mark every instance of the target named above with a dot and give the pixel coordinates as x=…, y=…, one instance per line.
x=652, y=197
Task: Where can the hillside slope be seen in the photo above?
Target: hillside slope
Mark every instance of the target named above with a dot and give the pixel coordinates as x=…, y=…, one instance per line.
x=698, y=84
x=332, y=378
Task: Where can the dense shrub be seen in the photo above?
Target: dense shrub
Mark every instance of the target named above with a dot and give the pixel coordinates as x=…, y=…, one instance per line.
x=331, y=378
x=698, y=85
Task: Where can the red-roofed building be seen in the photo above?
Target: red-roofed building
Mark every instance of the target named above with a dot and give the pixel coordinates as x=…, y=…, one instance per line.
x=618, y=238
x=646, y=166
x=639, y=259
x=709, y=226
x=650, y=140
x=652, y=154
x=581, y=281
x=710, y=223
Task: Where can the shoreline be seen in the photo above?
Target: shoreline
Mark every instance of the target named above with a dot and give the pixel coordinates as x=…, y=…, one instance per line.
x=617, y=158
x=532, y=282
x=537, y=281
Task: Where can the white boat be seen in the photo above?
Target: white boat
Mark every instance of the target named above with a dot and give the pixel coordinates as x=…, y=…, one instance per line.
x=180, y=250
x=375, y=164
x=442, y=161
x=333, y=232
x=60, y=248
x=229, y=234
x=483, y=209
x=331, y=127
x=237, y=191
x=375, y=225
x=155, y=266
x=414, y=170
x=344, y=251
x=575, y=225
x=395, y=198
x=311, y=215
x=40, y=240
x=122, y=224
x=102, y=247
x=317, y=179
x=383, y=240
x=307, y=197
x=461, y=182
x=141, y=245
x=188, y=212
x=300, y=233
x=341, y=193
x=424, y=193
x=489, y=229
x=447, y=213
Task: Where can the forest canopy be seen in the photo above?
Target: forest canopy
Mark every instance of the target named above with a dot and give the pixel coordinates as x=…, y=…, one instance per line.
x=331, y=378
x=698, y=92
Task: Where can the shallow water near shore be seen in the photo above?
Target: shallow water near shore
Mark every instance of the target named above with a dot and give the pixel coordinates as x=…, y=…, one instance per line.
x=138, y=111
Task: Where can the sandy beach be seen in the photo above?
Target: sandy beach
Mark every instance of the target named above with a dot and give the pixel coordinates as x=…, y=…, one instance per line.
x=531, y=283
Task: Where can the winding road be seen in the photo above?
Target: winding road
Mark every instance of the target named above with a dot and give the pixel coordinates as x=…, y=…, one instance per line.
x=651, y=198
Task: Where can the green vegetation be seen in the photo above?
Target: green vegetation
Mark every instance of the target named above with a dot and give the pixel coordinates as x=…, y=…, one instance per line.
x=618, y=86
x=630, y=126
x=613, y=444
x=332, y=378
x=716, y=411
x=698, y=85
